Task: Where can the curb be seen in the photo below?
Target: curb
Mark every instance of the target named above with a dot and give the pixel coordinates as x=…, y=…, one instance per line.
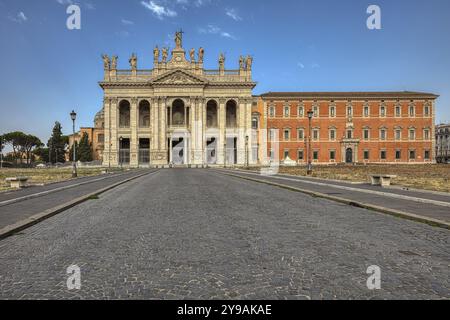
x=43, y=193
x=392, y=212
x=36, y=218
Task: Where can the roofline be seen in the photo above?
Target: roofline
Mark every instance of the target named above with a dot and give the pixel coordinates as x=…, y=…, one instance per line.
x=349, y=95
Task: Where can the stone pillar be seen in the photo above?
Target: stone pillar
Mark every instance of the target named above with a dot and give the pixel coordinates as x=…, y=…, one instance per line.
x=155, y=130
x=248, y=130
x=222, y=125
x=433, y=132
x=241, y=132
x=114, y=123
x=107, y=132
x=134, y=133
x=163, y=130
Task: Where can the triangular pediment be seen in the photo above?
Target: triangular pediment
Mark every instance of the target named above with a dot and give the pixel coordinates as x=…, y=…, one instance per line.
x=178, y=77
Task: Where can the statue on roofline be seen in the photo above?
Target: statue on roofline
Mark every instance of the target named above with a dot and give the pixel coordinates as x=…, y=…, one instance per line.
x=192, y=54
x=133, y=61
x=114, y=62
x=249, y=62
x=222, y=61
x=201, y=52
x=179, y=39
x=165, y=52
x=106, y=62
x=156, y=54
x=241, y=63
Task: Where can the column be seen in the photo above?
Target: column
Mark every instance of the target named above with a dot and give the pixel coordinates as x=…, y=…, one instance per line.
x=134, y=133
x=155, y=129
x=162, y=133
x=248, y=130
x=222, y=138
x=114, y=107
x=241, y=132
x=107, y=132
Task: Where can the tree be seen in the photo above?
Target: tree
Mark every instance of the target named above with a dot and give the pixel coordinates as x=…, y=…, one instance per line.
x=16, y=140
x=84, y=151
x=29, y=142
x=57, y=144
x=42, y=153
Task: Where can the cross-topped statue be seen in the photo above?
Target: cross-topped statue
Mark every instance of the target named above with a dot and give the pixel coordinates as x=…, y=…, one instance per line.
x=179, y=39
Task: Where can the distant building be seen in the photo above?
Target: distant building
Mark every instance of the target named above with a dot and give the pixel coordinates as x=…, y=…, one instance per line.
x=443, y=143
x=95, y=134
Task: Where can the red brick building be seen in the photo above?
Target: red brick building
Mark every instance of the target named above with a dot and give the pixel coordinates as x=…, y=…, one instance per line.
x=350, y=127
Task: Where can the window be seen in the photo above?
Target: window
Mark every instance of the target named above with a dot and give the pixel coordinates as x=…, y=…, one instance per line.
x=349, y=111
x=316, y=155
x=383, y=155
x=300, y=134
x=286, y=111
x=383, y=134
x=272, y=133
x=286, y=153
x=426, y=111
x=254, y=123
x=271, y=154
x=332, y=134
x=366, y=154
x=412, y=111
x=101, y=138
x=316, y=134
x=316, y=111
x=412, y=134
x=332, y=155
x=349, y=134
x=383, y=111
x=287, y=135
x=398, y=134
x=300, y=154
x=332, y=111
x=366, y=134
x=412, y=154
x=398, y=154
x=301, y=111
x=398, y=111
x=427, y=155
x=272, y=111
x=366, y=111
x=426, y=134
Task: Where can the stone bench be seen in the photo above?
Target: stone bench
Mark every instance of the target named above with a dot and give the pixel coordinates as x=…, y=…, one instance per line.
x=17, y=182
x=383, y=180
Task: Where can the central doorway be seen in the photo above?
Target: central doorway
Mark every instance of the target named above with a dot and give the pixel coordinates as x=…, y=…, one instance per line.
x=178, y=151
x=349, y=155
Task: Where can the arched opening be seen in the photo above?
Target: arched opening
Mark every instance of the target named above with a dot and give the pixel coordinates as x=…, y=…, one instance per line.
x=178, y=113
x=231, y=114
x=124, y=114
x=349, y=155
x=211, y=114
x=144, y=114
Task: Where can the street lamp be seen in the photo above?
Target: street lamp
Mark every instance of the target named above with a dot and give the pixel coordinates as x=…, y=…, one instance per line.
x=1, y=152
x=120, y=152
x=73, y=116
x=225, y=155
x=309, y=170
x=246, y=151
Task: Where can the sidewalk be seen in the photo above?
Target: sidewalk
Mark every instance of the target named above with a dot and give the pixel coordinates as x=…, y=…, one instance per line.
x=58, y=196
x=431, y=206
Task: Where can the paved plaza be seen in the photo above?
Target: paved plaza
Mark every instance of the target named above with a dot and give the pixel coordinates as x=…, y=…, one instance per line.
x=200, y=234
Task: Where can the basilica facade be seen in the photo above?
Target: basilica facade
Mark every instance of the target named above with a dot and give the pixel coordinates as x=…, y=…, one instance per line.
x=179, y=113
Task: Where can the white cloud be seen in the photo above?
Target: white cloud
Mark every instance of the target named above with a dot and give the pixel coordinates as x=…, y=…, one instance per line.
x=127, y=22
x=315, y=65
x=158, y=10
x=212, y=29
x=19, y=18
x=232, y=13
x=300, y=65
x=64, y=2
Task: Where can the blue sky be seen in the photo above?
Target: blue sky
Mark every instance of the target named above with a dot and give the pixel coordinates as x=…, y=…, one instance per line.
x=321, y=45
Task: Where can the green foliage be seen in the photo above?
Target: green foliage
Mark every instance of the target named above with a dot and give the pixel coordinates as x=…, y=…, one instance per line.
x=57, y=144
x=84, y=152
x=22, y=144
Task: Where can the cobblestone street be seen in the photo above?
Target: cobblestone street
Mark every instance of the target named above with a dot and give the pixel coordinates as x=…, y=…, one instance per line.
x=198, y=234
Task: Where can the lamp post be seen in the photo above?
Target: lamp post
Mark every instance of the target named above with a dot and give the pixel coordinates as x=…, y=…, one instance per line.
x=1, y=152
x=309, y=170
x=120, y=152
x=225, y=155
x=246, y=151
x=73, y=116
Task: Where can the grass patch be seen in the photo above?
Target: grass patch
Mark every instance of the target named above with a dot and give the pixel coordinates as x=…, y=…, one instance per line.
x=45, y=175
x=434, y=177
